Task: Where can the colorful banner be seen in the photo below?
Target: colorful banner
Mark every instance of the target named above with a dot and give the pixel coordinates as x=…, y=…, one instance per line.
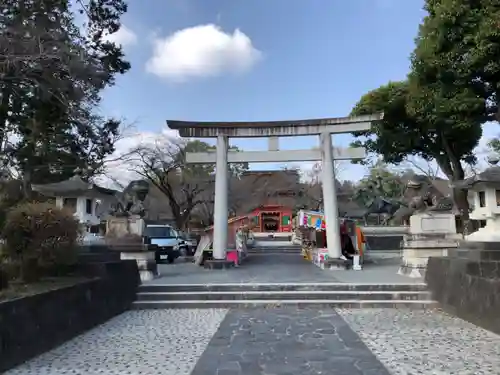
x=312, y=219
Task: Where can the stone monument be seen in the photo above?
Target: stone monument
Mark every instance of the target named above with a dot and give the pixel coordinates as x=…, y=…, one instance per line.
x=432, y=229
x=125, y=230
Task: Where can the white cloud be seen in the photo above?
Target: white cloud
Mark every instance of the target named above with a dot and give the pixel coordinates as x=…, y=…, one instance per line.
x=124, y=37
x=202, y=51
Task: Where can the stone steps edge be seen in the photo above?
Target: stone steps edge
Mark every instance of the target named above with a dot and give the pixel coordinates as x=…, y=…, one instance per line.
x=229, y=292
x=284, y=297
x=151, y=288
x=145, y=305
x=285, y=284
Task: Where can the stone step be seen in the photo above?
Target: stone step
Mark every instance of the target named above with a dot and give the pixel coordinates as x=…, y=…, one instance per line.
x=274, y=250
x=284, y=295
x=268, y=248
x=242, y=287
x=275, y=245
x=413, y=304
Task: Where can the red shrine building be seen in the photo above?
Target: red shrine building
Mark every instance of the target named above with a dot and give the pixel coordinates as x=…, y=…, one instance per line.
x=270, y=197
x=272, y=218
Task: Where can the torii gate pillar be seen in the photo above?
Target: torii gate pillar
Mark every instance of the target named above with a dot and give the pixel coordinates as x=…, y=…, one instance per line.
x=220, y=205
x=330, y=206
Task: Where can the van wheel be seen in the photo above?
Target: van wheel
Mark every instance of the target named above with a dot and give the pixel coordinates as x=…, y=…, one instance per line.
x=170, y=260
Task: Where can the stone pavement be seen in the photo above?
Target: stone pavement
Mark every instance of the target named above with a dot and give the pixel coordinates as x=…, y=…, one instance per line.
x=282, y=268
x=266, y=268
x=286, y=341
x=283, y=341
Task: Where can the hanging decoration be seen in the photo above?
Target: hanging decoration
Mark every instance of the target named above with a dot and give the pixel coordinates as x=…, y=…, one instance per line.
x=312, y=219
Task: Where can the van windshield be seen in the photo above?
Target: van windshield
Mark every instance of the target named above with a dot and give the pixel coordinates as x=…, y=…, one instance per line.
x=160, y=232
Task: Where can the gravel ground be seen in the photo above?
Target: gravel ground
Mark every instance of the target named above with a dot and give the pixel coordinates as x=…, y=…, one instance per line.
x=425, y=342
x=154, y=342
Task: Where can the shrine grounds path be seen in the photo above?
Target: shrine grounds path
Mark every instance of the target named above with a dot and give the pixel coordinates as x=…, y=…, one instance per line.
x=275, y=341
x=281, y=268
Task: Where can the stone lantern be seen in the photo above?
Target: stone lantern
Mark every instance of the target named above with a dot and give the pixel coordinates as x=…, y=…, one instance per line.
x=486, y=189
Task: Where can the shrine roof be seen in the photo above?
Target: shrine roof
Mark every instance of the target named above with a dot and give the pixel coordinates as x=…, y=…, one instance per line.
x=489, y=175
x=270, y=128
x=72, y=185
x=230, y=221
x=270, y=206
x=271, y=173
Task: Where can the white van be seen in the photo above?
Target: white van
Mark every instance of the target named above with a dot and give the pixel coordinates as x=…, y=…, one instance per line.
x=169, y=241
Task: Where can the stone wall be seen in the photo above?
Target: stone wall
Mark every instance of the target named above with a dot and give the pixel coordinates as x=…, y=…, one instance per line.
x=384, y=242
x=32, y=325
x=4, y=281
x=97, y=253
x=467, y=288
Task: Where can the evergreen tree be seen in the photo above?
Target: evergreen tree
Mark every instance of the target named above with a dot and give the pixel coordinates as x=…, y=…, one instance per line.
x=52, y=72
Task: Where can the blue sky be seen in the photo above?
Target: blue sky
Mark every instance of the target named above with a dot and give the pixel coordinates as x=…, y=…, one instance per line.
x=293, y=59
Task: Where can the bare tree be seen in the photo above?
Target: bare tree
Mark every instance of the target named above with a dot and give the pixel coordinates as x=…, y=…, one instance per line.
x=116, y=167
x=203, y=213
x=314, y=173
x=312, y=190
x=163, y=165
x=428, y=168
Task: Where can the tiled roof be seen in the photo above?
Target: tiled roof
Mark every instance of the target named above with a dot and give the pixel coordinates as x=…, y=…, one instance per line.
x=73, y=184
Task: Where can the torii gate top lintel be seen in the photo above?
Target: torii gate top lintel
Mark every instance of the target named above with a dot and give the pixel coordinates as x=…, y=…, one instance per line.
x=334, y=125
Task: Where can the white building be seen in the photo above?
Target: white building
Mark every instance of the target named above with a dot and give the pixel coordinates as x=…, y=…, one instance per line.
x=90, y=203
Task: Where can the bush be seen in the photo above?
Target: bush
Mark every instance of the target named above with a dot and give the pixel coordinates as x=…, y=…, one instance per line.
x=11, y=194
x=39, y=237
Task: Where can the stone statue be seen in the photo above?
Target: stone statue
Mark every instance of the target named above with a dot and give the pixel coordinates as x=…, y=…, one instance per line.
x=422, y=196
x=132, y=201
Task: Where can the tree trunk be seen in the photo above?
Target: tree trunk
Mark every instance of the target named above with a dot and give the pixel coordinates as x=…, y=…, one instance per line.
x=4, y=114
x=460, y=197
x=453, y=169
x=461, y=200
x=27, y=191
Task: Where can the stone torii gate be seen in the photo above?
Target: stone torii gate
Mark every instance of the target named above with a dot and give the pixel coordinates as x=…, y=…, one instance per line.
x=273, y=130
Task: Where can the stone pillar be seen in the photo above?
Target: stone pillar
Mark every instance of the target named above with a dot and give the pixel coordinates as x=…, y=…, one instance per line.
x=146, y=262
x=59, y=202
x=431, y=234
x=81, y=205
x=220, y=206
x=330, y=198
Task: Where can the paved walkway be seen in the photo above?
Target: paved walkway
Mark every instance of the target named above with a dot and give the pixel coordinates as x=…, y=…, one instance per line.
x=257, y=268
x=283, y=341
x=286, y=341
x=280, y=268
